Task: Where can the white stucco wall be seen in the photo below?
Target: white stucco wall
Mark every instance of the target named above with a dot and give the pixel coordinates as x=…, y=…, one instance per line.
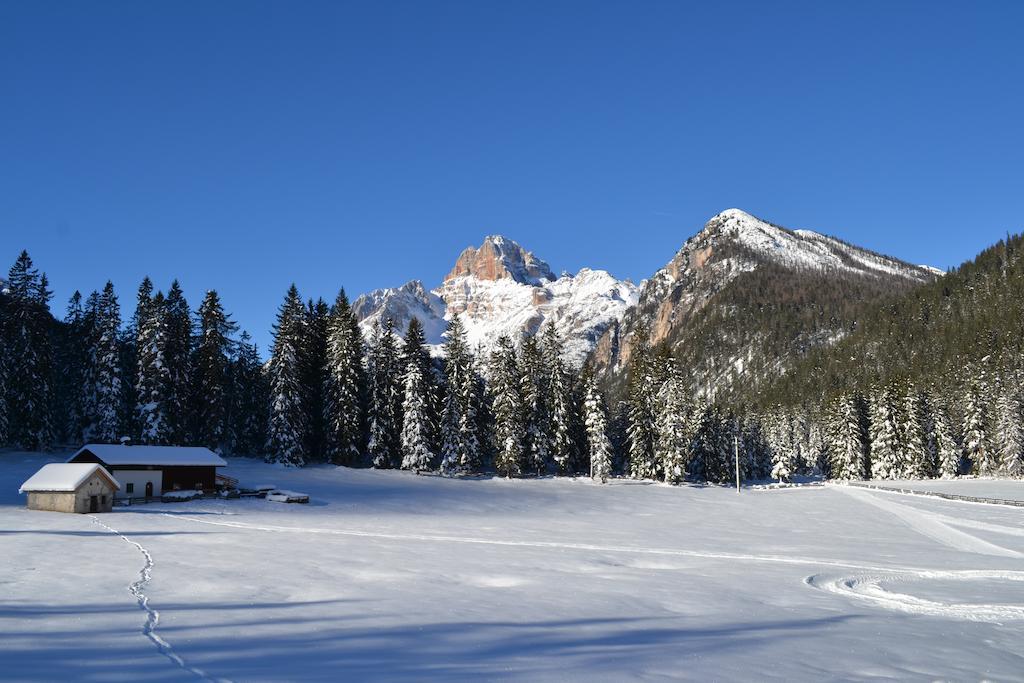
x=139, y=478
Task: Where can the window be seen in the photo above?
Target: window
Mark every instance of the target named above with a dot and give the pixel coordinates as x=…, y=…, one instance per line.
x=129, y=488
x=103, y=500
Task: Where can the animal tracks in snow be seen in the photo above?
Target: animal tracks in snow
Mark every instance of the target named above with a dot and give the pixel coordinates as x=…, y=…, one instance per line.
x=152, y=616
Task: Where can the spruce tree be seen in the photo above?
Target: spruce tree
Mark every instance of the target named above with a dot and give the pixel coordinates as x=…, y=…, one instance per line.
x=314, y=378
x=460, y=447
x=671, y=443
x=73, y=363
x=947, y=450
x=287, y=425
x=152, y=376
x=1008, y=426
x=177, y=360
x=30, y=355
x=507, y=405
x=559, y=397
x=978, y=449
x=385, y=408
x=535, y=406
x=599, y=446
x=417, y=399
x=642, y=462
x=104, y=374
x=210, y=363
x=247, y=401
x=847, y=441
x=886, y=458
x=345, y=388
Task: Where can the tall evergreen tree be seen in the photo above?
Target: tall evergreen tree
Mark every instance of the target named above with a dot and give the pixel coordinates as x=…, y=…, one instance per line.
x=28, y=342
x=535, y=407
x=177, y=359
x=596, y=420
x=288, y=417
x=417, y=402
x=671, y=442
x=559, y=396
x=847, y=441
x=210, y=362
x=978, y=449
x=1008, y=425
x=247, y=401
x=460, y=439
x=508, y=409
x=345, y=388
x=314, y=382
x=104, y=376
x=642, y=462
x=152, y=375
x=72, y=365
x=886, y=456
x=385, y=405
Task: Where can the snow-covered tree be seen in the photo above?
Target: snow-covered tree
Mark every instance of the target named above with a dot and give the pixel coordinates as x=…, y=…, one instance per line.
x=596, y=421
x=671, y=442
x=507, y=407
x=641, y=430
x=178, y=362
x=917, y=459
x=30, y=355
x=417, y=398
x=784, y=448
x=559, y=397
x=947, y=450
x=314, y=378
x=846, y=439
x=883, y=410
x=535, y=406
x=384, y=408
x=287, y=426
x=210, y=371
x=247, y=400
x=978, y=449
x=152, y=376
x=345, y=385
x=460, y=447
x=1008, y=426
x=104, y=376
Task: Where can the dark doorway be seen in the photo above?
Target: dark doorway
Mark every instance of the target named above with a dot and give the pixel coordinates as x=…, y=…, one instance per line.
x=94, y=504
x=149, y=489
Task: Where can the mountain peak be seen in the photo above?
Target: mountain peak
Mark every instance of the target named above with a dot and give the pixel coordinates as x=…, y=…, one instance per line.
x=501, y=258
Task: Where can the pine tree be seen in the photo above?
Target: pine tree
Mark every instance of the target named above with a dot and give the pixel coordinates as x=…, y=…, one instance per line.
x=977, y=437
x=642, y=462
x=287, y=426
x=104, y=374
x=74, y=360
x=417, y=398
x=460, y=448
x=947, y=450
x=600, y=448
x=247, y=400
x=507, y=405
x=781, y=440
x=1008, y=426
x=345, y=386
x=847, y=441
x=671, y=443
x=559, y=436
x=384, y=409
x=210, y=363
x=314, y=378
x=177, y=359
x=152, y=376
x=535, y=405
x=29, y=374
x=886, y=459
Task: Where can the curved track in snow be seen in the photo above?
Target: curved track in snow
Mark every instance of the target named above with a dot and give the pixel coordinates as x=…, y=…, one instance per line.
x=153, y=616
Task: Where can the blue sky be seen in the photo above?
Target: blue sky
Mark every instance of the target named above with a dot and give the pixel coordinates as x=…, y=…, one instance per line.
x=245, y=145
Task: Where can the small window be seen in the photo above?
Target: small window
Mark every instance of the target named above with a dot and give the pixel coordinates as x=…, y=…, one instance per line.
x=129, y=487
x=103, y=500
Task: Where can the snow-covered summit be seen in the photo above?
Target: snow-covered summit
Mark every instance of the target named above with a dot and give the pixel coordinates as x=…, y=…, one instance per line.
x=500, y=258
x=500, y=289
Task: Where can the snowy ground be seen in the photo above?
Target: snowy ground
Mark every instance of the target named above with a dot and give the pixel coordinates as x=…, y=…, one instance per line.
x=1005, y=489
x=390, y=576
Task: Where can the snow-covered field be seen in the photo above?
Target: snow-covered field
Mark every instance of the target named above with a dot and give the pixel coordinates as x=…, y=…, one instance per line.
x=390, y=576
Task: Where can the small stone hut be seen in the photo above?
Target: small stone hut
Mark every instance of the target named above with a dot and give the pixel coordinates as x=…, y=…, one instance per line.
x=71, y=487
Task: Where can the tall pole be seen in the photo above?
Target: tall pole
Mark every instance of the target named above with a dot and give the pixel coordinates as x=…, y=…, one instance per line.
x=736, y=453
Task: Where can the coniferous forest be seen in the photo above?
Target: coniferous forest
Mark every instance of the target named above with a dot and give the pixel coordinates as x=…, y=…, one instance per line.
x=927, y=383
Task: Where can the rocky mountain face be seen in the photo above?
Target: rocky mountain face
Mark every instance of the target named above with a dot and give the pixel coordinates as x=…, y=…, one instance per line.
x=744, y=299
x=499, y=289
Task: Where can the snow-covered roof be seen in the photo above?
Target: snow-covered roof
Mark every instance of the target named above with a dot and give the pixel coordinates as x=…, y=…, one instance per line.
x=60, y=476
x=186, y=456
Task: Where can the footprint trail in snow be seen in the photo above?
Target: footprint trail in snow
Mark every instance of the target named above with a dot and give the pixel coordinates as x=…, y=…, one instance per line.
x=153, y=616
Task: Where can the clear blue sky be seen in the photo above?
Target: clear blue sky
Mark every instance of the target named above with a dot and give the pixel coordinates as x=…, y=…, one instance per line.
x=245, y=145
